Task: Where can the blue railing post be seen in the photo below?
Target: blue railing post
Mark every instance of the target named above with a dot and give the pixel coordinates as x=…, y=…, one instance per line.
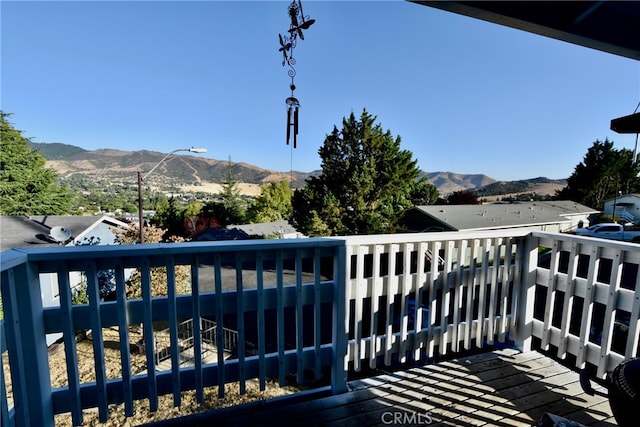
x=340, y=338
x=26, y=341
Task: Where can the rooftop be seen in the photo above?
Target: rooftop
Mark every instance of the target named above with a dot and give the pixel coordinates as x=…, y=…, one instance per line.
x=503, y=215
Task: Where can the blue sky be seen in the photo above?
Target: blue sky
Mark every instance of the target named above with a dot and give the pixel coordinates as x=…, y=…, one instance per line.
x=464, y=95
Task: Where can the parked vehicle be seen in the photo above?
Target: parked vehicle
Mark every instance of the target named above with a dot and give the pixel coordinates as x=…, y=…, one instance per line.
x=611, y=230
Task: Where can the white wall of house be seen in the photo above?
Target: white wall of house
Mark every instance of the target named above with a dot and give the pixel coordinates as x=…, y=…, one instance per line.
x=50, y=293
x=549, y=228
x=100, y=233
x=50, y=298
x=627, y=207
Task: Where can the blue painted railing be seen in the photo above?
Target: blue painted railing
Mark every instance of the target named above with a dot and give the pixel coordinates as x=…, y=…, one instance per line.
x=26, y=321
x=337, y=303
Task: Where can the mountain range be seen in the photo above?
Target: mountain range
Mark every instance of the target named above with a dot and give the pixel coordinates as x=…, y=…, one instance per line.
x=72, y=162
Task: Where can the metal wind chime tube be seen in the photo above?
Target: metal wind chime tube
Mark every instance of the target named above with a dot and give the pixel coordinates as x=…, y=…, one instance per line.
x=292, y=118
x=299, y=22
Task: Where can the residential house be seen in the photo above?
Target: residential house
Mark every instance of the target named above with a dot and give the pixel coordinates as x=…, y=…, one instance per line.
x=22, y=231
x=627, y=207
x=56, y=230
x=278, y=229
x=578, y=214
x=552, y=216
x=263, y=230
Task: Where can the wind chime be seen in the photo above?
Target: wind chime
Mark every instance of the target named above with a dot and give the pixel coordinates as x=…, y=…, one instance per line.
x=299, y=22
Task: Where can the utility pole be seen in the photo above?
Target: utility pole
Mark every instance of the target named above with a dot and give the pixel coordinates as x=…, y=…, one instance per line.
x=142, y=178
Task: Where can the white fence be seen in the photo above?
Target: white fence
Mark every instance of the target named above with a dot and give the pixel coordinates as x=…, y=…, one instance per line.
x=415, y=295
x=586, y=300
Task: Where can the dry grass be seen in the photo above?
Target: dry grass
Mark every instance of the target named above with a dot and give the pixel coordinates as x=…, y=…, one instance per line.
x=166, y=410
x=542, y=189
x=189, y=405
x=246, y=189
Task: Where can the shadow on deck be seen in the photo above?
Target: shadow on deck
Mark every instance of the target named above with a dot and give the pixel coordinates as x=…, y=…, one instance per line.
x=500, y=388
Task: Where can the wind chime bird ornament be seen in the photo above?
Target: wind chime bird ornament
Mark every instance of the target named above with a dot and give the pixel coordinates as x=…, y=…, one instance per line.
x=299, y=23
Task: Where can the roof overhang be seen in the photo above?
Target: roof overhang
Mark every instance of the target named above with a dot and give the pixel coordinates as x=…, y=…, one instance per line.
x=626, y=124
x=608, y=26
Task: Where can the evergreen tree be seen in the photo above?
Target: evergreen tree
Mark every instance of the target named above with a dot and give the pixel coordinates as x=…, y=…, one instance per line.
x=230, y=210
x=464, y=197
x=170, y=217
x=367, y=181
x=234, y=206
x=27, y=187
x=603, y=172
x=273, y=203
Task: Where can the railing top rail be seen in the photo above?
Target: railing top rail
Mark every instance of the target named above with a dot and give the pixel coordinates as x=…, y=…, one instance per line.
x=436, y=236
x=13, y=257
x=605, y=243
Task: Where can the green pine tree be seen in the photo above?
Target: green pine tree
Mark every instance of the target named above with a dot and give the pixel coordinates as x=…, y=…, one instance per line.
x=603, y=172
x=27, y=186
x=234, y=206
x=273, y=203
x=367, y=181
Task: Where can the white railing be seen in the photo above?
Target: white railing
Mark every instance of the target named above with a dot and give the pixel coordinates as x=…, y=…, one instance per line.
x=576, y=297
x=414, y=295
x=339, y=303
x=624, y=214
x=586, y=300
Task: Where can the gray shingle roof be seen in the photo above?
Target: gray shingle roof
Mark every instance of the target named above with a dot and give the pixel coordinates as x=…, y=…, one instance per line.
x=564, y=207
x=266, y=228
x=22, y=231
x=493, y=216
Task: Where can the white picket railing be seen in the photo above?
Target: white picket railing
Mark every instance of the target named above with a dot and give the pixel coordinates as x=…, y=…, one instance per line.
x=587, y=300
x=575, y=297
x=411, y=294
x=339, y=303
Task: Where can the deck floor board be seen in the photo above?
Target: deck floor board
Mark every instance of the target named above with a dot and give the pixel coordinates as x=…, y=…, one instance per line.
x=500, y=388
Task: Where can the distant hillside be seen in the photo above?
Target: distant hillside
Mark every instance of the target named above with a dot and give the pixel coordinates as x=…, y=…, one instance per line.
x=541, y=185
x=448, y=182
x=178, y=170
x=195, y=172
x=56, y=150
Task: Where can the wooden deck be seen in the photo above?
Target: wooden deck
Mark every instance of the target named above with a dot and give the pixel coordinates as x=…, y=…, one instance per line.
x=501, y=388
